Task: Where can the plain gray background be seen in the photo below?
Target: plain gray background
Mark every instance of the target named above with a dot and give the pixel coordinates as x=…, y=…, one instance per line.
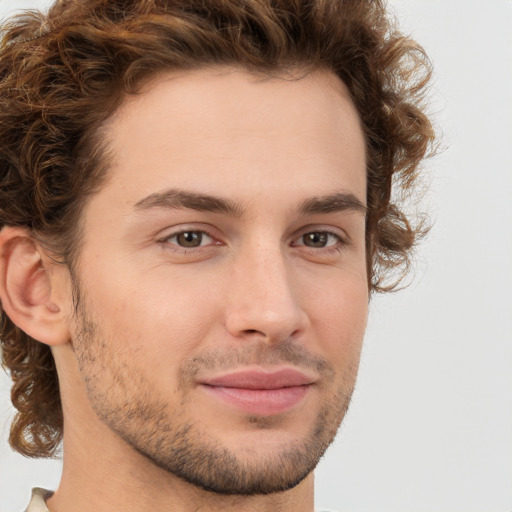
x=430, y=426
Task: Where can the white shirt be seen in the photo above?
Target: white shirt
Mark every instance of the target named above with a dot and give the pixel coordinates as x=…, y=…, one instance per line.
x=38, y=503
x=39, y=497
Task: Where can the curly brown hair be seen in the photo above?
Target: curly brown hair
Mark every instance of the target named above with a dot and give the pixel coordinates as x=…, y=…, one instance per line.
x=63, y=74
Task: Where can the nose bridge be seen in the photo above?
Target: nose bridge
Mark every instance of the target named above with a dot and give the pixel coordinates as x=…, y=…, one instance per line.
x=263, y=298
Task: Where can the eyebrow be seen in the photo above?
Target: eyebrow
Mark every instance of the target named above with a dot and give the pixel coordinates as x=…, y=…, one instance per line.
x=177, y=198
x=339, y=202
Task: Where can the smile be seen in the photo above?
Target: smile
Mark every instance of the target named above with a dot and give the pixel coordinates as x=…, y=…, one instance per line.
x=260, y=392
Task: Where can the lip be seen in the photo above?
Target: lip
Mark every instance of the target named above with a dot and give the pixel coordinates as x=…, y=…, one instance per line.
x=258, y=391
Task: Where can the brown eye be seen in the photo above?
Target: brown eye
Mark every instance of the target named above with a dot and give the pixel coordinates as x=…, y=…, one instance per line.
x=190, y=239
x=315, y=239
x=319, y=239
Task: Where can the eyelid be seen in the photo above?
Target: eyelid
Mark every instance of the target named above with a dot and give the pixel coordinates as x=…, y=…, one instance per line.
x=182, y=231
x=338, y=237
x=169, y=233
x=339, y=233
x=342, y=237
x=325, y=254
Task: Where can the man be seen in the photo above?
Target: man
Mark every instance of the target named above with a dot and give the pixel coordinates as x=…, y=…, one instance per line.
x=195, y=207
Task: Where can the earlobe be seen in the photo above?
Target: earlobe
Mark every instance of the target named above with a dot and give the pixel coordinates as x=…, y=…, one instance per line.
x=26, y=288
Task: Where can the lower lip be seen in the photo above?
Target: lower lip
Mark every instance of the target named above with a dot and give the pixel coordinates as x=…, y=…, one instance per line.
x=260, y=401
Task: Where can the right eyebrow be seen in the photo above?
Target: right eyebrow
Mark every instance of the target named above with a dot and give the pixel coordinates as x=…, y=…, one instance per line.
x=177, y=198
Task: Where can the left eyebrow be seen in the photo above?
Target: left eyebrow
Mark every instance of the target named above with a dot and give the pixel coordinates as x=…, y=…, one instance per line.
x=332, y=203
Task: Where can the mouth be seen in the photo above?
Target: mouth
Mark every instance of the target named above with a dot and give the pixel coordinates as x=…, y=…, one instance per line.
x=260, y=392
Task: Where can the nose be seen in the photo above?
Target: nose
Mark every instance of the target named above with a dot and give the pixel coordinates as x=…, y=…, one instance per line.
x=264, y=300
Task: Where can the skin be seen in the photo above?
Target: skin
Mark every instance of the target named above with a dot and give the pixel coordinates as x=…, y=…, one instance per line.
x=274, y=284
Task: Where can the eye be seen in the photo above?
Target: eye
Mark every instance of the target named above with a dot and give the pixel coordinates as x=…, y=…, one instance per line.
x=190, y=239
x=319, y=239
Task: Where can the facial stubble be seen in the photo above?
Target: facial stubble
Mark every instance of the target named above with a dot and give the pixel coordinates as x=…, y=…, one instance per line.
x=123, y=398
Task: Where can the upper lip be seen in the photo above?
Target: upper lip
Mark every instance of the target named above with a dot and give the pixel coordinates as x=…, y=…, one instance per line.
x=260, y=379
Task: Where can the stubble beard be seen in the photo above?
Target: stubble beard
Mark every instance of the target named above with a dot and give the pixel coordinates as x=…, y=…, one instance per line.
x=122, y=397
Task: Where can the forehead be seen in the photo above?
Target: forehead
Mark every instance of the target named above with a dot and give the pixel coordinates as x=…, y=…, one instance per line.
x=225, y=126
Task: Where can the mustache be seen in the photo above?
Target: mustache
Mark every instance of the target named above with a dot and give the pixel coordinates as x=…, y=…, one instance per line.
x=255, y=353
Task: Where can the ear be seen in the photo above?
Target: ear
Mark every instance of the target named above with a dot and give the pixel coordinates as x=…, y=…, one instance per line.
x=26, y=288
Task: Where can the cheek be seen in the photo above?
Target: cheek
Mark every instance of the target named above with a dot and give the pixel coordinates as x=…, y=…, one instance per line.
x=339, y=316
x=155, y=320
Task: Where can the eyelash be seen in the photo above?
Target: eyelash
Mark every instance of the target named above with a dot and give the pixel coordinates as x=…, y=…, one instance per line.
x=339, y=245
x=186, y=250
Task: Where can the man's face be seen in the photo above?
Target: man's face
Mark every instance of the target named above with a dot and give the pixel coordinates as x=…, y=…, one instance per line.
x=222, y=279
